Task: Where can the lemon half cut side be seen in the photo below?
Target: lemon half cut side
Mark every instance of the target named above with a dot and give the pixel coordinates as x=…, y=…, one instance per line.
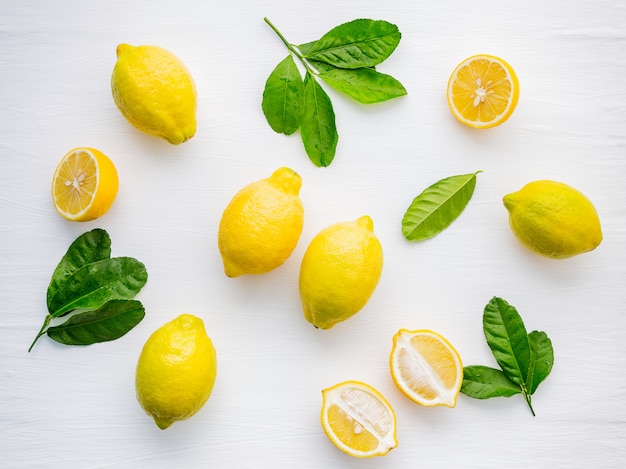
x=358, y=419
x=483, y=91
x=84, y=184
x=426, y=367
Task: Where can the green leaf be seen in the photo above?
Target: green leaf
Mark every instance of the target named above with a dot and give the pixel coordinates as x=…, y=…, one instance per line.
x=437, y=207
x=506, y=336
x=364, y=84
x=283, y=97
x=318, y=130
x=356, y=44
x=94, y=284
x=322, y=67
x=89, y=247
x=483, y=382
x=109, y=322
x=542, y=359
x=306, y=48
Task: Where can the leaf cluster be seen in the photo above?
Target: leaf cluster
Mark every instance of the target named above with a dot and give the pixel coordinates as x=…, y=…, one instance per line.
x=345, y=59
x=98, y=289
x=525, y=359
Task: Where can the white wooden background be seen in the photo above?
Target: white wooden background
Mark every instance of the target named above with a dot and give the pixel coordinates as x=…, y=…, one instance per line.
x=75, y=407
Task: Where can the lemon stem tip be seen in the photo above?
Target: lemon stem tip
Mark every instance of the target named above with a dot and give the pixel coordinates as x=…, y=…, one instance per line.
x=162, y=424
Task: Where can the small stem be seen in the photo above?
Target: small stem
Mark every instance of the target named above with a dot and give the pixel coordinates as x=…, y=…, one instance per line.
x=42, y=331
x=529, y=402
x=282, y=38
x=292, y=49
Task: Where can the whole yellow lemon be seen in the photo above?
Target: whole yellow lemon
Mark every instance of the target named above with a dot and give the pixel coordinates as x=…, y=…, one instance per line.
x=176, y=371
x=553, y=219
x=261, y=225
x=340, y=271
x=155, y=92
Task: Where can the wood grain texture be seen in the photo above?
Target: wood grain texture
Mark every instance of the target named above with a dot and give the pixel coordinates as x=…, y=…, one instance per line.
x=75, y=407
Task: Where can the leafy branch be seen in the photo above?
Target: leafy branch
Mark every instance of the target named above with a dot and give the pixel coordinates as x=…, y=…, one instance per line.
x=344, y=58
x=525, y=359
x=97, y=289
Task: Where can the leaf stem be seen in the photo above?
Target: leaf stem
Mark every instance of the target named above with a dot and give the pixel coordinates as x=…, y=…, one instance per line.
x=528, y=401
x=292, y=49
x=41, y=332
x=282, y=38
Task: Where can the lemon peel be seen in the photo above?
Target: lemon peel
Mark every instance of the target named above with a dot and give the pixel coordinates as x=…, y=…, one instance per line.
x=340, y=270
x=553, y=219
x=155, y=92
x=261, y=225
x=176, y=371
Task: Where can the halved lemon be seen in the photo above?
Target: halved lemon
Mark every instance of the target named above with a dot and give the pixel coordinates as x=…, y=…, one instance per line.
x=358, y=419
x=84, y=184
x=483, y=91
x=426, y=367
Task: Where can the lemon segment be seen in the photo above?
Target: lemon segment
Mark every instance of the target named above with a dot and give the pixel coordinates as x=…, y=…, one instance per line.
x=426, y=367
x=358, y=420
x=261, y=225
x=553, y=219
x=483, y=91
x=84, y=184
x=339, y=272
x=155, y=92
x=176, y=371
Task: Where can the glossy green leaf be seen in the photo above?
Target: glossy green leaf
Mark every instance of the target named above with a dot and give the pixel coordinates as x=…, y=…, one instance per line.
x=364, y=84
x=437, y=207
x=356, y=44
x=526, y=359
x=483, y=382
x=283, y=97
x=542, y=359
x=109, y=322
x=507, y=337
x=306, y=48
x=94, y=284
x=322, y=67
x=318, y=130
x=89, y=247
